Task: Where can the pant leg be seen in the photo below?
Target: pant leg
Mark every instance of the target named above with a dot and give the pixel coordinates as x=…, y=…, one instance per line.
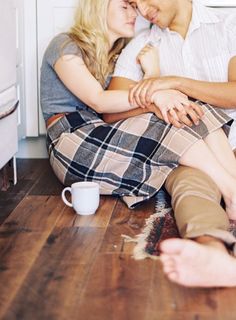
x=196, y=204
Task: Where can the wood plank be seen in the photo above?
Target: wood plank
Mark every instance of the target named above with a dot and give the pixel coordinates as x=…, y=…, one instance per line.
x=119, y=291
x=178, y=302
x=185, y=316
x=98, y=220
x=172, y=299
x=118, y=288
x=34, y=213
x=28, y=171
x=226, y=303
x=48, y=184
x=21, y=238
x=31, y=169
x=9, y=200
x=61, y=270
x=4, y=178
x=53, y=287
x=125, y=221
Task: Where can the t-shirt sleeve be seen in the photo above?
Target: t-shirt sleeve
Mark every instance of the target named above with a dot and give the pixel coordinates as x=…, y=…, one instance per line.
x=126, y=65
x=59, y=46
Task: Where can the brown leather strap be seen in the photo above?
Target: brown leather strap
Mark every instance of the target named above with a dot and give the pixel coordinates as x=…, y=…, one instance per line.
x=54, y=118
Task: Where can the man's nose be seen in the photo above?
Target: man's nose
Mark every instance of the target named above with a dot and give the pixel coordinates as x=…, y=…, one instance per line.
x=142, y=7
x=133, y=13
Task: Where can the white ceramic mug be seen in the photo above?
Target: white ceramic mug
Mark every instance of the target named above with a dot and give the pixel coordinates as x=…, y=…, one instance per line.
x=84, y=196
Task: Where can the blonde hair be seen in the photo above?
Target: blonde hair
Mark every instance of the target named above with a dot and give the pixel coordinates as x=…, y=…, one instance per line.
x=90, y=33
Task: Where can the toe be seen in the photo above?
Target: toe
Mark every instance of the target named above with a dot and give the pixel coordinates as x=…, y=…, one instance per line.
x=173, y=276
x=165, y=257
x=168, y=269
x=172, y=246
x=167, y=260
x=168, y=263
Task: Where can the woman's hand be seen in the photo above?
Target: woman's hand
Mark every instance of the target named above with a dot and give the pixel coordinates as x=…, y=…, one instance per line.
x=193, y=113
x=169, y=101
x=142, y=92
x=148, y=58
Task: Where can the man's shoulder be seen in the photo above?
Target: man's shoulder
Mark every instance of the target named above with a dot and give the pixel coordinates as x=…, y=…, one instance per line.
x=230, y=22
x=140, y=37
x=224, y=16
x=140, y=40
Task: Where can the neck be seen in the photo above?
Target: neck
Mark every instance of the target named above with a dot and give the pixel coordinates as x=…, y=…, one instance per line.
x=183, y=18
x=112, y=39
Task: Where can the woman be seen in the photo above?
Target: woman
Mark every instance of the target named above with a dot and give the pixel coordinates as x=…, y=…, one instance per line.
x=129, y=158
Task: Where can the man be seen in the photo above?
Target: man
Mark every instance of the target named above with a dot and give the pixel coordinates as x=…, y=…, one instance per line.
x=198, y=47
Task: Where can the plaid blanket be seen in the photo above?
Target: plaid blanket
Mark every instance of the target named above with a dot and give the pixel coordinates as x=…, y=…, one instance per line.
x=130, y=158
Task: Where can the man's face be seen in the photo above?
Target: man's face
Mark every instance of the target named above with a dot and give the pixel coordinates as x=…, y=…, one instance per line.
x=159, y=12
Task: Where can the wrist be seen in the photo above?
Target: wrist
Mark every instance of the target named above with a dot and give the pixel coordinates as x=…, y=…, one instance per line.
x=151, y=75
x=155, y=97
x=179, y=83
x=155, y=109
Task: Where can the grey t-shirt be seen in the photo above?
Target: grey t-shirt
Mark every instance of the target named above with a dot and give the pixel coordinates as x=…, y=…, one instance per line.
x=54, y=96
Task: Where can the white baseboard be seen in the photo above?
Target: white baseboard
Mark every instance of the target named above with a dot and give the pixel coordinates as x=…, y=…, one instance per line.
x=32, y=148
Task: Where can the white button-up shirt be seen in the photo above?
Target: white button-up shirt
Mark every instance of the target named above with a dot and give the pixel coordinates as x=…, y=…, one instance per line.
x=203, y=55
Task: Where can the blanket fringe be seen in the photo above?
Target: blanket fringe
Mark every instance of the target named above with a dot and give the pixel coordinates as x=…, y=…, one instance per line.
x=139, y=252
x=128, y=238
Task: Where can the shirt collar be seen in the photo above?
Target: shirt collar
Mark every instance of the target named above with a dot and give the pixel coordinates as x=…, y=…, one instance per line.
x=201, y=15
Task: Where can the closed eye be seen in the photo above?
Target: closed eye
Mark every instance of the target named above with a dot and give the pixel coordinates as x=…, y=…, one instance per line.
x=133, y=4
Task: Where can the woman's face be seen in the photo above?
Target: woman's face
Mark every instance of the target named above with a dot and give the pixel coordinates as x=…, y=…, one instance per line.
x=121, y=19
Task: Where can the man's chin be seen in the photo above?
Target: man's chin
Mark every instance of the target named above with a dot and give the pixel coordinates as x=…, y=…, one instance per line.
x=160, y=25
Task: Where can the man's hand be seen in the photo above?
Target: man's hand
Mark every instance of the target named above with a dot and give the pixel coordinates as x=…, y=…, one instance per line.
x=142, y=92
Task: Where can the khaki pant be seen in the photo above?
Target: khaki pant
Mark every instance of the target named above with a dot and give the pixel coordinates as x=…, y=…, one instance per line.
x=196, y=204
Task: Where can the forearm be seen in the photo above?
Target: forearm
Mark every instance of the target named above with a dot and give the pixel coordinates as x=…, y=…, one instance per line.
x=110, y=118
x=112, y=101
x=219, y=94
x=71, y=69
x=124, y=84
x=114, y=117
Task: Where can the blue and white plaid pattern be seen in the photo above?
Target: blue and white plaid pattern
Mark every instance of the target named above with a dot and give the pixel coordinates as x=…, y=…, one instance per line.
x=130, y=158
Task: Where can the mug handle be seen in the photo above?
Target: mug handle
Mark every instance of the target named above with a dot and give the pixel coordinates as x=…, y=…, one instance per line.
x=64, y=196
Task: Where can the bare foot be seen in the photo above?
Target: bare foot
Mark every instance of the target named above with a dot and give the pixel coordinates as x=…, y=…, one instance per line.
x=191, y=264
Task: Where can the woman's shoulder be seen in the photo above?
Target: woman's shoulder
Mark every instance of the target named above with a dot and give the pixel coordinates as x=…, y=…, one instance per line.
x=60, y=38
x=64, y=43
x=59, y=46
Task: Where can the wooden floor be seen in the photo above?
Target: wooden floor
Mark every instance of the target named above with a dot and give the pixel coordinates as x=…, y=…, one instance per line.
x=55, y=264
